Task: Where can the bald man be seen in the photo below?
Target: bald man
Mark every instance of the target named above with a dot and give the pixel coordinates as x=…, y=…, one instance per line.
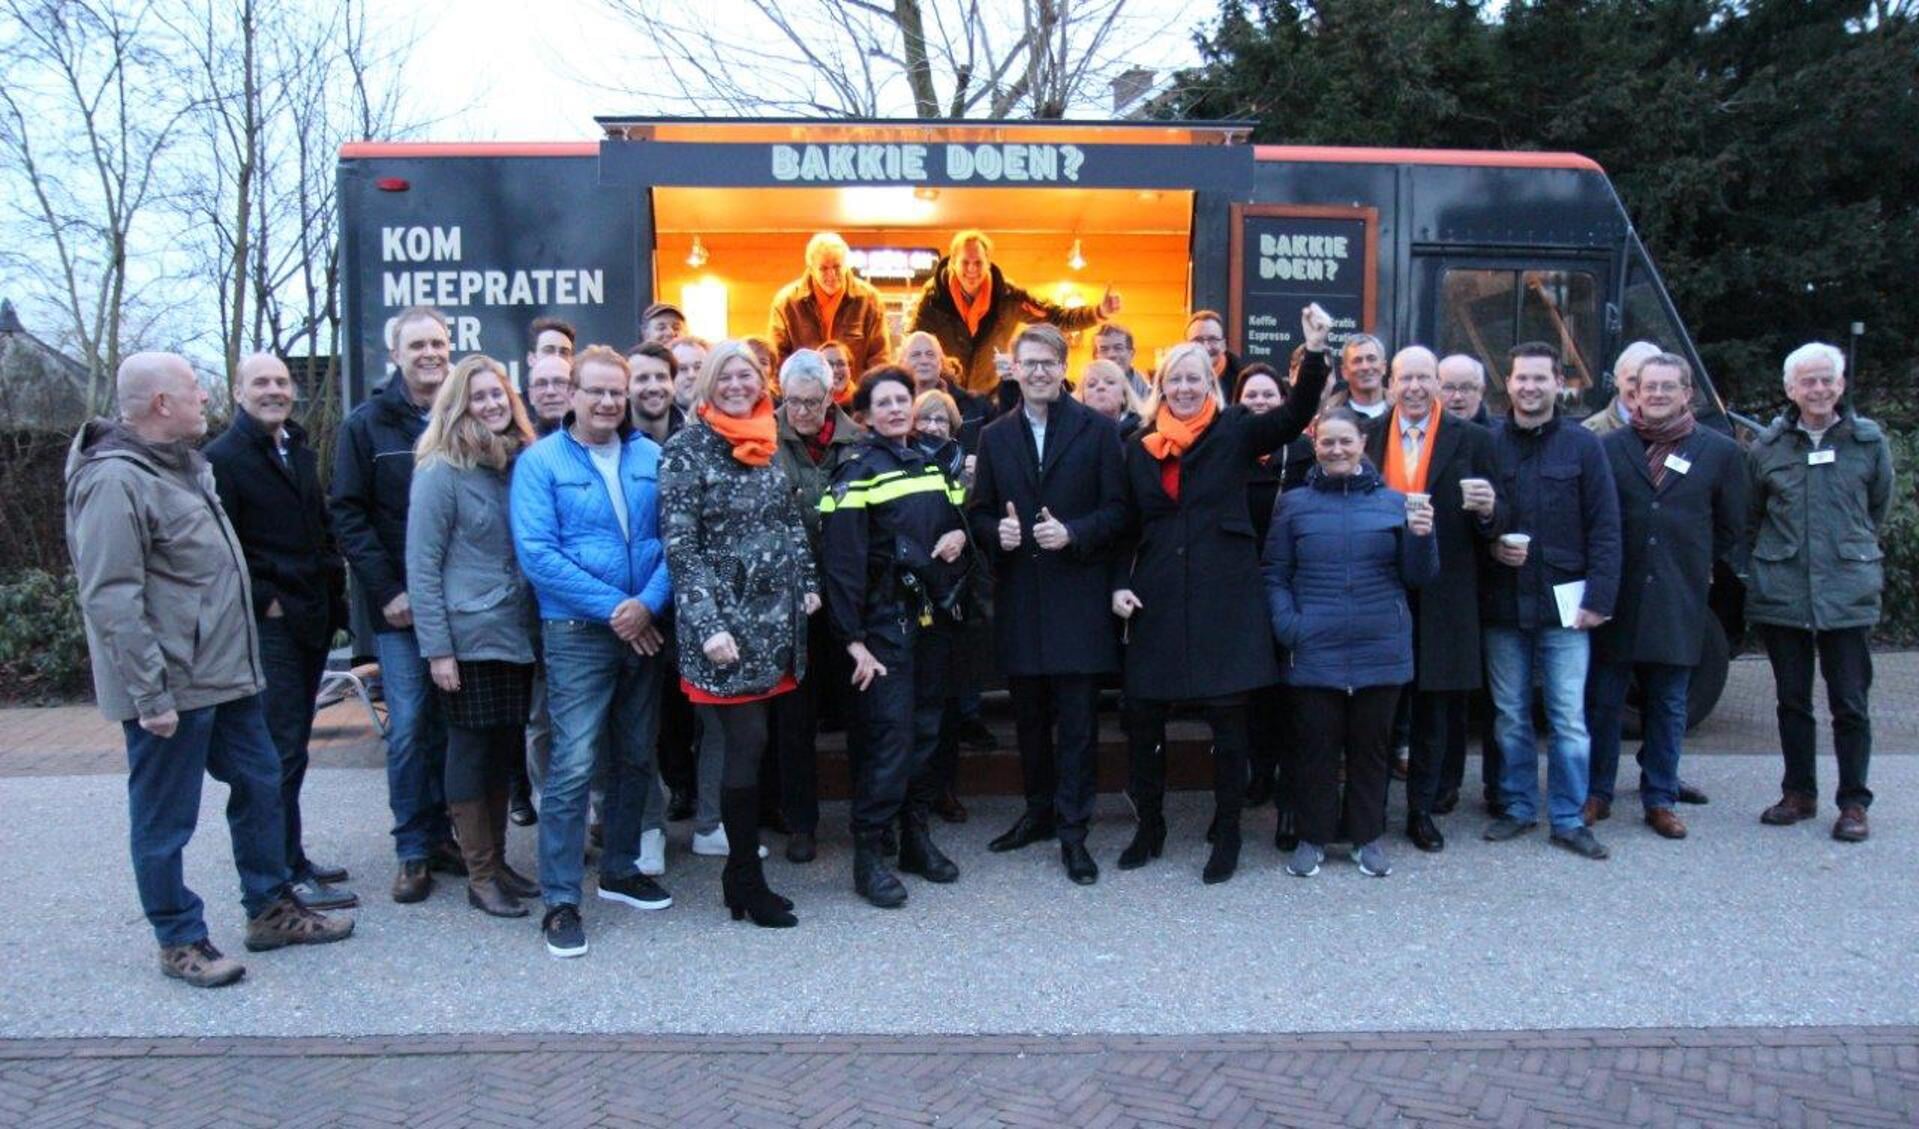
x=269, y=483
x=549, y=390
x=1419, y=449
x=922, y=355
x=176, y=660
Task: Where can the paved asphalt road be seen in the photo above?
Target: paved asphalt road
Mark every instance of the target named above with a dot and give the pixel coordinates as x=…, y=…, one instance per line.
x=1740, y=925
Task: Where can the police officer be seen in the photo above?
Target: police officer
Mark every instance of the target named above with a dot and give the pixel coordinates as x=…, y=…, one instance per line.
x=896, y=564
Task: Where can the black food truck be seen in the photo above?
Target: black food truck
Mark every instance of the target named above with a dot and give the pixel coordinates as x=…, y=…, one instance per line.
x=1464, y=251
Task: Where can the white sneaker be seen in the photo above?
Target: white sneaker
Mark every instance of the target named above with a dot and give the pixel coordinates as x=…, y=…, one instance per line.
x=653, y=853
x=713, y=843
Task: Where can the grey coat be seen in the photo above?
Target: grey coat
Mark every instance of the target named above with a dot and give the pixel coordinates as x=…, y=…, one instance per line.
x=469, y=599
x=1814, y=530
x=163, y=581
x=740, y=561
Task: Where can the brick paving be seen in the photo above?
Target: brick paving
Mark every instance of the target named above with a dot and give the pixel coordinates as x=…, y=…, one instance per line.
x=1711, y=1077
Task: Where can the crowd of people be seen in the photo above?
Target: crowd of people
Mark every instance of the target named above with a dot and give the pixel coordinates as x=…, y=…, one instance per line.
x=633, y=591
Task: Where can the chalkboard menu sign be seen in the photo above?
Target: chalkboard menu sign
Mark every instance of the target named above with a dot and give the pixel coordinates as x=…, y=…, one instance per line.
x=1284, y=256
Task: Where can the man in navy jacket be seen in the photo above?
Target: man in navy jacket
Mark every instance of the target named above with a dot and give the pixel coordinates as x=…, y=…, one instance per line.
x=1557, y=578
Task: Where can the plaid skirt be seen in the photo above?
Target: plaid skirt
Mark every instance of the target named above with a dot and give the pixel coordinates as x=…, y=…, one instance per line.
x=491, y=694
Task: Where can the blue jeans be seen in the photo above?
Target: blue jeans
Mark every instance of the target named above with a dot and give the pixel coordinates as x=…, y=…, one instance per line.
x=1559, y=655
x=228, y=742
x=1663, y=722
x=593, y=682
x=415, y=747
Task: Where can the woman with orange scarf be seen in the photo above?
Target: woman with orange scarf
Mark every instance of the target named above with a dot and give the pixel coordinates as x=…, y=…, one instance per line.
x=744, y=584
x=1190, y=592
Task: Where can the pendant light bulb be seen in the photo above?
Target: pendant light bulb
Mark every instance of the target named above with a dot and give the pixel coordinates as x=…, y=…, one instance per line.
x=1074, y=259
x=696, y=258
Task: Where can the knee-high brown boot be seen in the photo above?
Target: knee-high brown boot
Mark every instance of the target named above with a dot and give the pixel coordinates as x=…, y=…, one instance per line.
x=498, y=801
x=473, y=824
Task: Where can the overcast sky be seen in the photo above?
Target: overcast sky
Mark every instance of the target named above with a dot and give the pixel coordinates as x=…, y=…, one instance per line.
x=484, y=71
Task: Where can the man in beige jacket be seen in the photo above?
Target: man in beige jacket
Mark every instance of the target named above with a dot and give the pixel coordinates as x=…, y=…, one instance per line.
x=176, y=660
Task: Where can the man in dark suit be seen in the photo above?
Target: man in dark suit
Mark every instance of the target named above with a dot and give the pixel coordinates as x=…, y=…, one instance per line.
x=1049, y=501
x=1419, y=449
x=269, y=485
x=1682, y=492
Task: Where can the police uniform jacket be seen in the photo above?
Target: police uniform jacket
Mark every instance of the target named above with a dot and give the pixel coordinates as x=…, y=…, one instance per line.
x=888, y=506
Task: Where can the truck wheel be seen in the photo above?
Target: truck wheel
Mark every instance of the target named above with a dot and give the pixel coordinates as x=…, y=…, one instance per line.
x=1702, y=694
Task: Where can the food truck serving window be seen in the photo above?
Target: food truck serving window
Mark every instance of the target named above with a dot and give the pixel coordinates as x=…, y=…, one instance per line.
x=1485, y=311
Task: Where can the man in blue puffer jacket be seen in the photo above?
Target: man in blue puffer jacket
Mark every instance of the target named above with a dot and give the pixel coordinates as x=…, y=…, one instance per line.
x=586, y=510
x=1339, y=557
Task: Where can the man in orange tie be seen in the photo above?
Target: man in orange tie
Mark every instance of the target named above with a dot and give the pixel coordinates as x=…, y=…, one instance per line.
x=1423, y=452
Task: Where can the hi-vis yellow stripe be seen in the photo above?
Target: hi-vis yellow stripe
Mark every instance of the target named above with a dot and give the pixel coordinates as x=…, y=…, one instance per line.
x=890, y=487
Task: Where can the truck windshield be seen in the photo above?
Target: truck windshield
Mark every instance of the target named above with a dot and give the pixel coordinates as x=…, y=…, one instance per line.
x=1485, y=311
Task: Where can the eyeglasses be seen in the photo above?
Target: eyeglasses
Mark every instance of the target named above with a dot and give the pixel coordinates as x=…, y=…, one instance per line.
x=549, y=384
x=1458, y=389
x=1209, y=340
x=604, y=393
x=1039, y=366
x=808, y=404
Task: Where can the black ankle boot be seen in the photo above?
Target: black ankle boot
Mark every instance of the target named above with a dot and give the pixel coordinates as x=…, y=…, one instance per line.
x=1149, y=839
x=919, y=854
x=1146, y=769
x=1286, y=831
x=743, y=882
x=1224, y=860
x=872, y=878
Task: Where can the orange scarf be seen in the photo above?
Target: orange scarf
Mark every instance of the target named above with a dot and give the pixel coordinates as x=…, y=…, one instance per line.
x=1171, y=436
x=829, y=305
x=1394, y=472
x=754, y=438
x=975, y=311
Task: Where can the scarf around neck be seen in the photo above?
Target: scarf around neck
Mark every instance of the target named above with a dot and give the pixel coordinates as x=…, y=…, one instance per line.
x=1662, y=440
x=1394, y=471
x=975, y=311
x=1171, y=436
x=754, y=438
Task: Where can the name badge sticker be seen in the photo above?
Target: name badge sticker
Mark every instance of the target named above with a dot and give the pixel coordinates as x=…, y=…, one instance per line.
x=1821, y=458
x=1677, y=465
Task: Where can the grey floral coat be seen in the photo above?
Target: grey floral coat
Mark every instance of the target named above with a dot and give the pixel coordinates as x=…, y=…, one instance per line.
x=737, y=551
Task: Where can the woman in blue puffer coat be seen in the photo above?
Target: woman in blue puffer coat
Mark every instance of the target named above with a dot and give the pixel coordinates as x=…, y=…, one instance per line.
x=1339, y=557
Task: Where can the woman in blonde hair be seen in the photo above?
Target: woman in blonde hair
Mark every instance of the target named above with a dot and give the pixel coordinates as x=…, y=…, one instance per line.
x=1104, y=388
x=473, y=612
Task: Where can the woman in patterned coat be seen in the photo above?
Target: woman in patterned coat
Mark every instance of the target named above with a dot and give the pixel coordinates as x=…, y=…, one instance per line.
x=744, y=583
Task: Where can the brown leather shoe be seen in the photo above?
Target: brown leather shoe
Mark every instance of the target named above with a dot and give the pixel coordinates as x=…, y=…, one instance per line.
x=412, y=882
x=1595, y=810
x=1666, y=822
x=1791, y=808
x=1851, y=827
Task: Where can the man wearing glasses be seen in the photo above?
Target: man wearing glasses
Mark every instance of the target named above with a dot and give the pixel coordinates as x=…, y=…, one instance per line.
x=828, y=304
x=1049, y=499
x=1208, y=330
x=586, y=527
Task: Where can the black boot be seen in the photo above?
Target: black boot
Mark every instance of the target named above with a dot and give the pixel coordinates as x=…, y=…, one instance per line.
x=1229, y=799
x=872, y=878
x=1148, y=790
x=918, y=853
x=1286, y=830
x=743, y=881
x=520, y=807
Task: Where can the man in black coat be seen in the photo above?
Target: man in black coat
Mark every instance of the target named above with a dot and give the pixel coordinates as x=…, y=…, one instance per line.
x=372, y=485
x=1451, y=461
x=973, y=310
x=1049, y=500
x=269, y=485
x=1682, y=497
